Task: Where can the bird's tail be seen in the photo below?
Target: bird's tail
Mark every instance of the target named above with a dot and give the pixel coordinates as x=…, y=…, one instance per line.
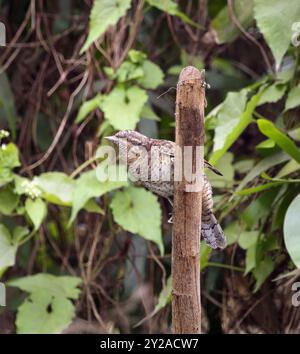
x=212, y=233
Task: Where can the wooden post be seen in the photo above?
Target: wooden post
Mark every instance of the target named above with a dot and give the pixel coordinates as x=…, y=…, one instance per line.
x=186, y=301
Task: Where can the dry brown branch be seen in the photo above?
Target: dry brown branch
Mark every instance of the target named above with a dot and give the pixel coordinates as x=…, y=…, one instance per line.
x=186, y=303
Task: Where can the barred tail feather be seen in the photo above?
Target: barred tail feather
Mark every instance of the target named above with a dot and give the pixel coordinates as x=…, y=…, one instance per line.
x=212, y=233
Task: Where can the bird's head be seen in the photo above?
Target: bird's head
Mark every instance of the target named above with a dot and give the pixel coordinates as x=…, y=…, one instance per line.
x=132, y=145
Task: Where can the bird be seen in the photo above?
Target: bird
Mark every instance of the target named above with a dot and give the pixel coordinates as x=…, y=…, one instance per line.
x=138, y=152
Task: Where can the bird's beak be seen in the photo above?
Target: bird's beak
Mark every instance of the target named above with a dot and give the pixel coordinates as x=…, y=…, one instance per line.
x=111, y=139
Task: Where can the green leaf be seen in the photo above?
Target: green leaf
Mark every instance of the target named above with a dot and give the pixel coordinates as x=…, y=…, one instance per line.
x=19, y=233
x=36, y=210
x=8, y=249
x=224, y=165
x=8, y=200
x=153, y=75
x=262, y=166
x=288, y=168
x=272, y=94
x=266, y=144
x=148, y=113
x=284, y=180
x=247, y=239
x=9, y=156
x=262, y=271
x=88, y=107
x=89, y=186
x=41, y=313
x=104, y=13
x=250, y=260
x=293, y=99
x=122, y=108
x=281, y=208
x=7, y=104
x=136, y=56
x=295, y=134
x=229, y=116
x=259, y=208
x=57, y=187
x=48, y=308
x=54, y=285
x=129, y=71
x=282, y=140
x=171, y=8
x=232, y=118
x=244, y=166
x=205, y=252
x=225, y=28
x=138, y=211
x=92, y=207
x=291, y=229
x=275, y=22
x=232, y=232
x=259, y=188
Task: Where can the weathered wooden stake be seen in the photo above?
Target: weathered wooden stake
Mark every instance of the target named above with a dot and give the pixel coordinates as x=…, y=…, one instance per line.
x=186, y=301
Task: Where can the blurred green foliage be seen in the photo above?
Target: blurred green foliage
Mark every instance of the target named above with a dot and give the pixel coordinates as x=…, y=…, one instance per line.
x=132, y=53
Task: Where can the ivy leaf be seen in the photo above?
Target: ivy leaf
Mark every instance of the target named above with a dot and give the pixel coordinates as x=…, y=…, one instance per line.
x=48, y=308
x=9, y=159
x=8, y=201
x=56, y=286
x=122, y=107
x=89, y=186
x=57, y=187
x=171, y=8
x=88, y=107
x=282, y=140
x=41, y=313
x=8, y=249
x=138, y=211
x=153, y=75
x=291, y=229
x=104, y=13
x=275, y=22
x=129, y=71
x=136, y=56
x=36, y=210
x=293, y=99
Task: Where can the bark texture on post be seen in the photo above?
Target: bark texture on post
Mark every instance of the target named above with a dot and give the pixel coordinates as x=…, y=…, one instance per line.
x=186, y=302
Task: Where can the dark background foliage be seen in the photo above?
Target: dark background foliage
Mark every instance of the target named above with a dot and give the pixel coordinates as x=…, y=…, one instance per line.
x=70, y=256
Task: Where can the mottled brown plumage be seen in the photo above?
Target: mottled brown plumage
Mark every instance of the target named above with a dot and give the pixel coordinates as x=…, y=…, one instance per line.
x=151, y=164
